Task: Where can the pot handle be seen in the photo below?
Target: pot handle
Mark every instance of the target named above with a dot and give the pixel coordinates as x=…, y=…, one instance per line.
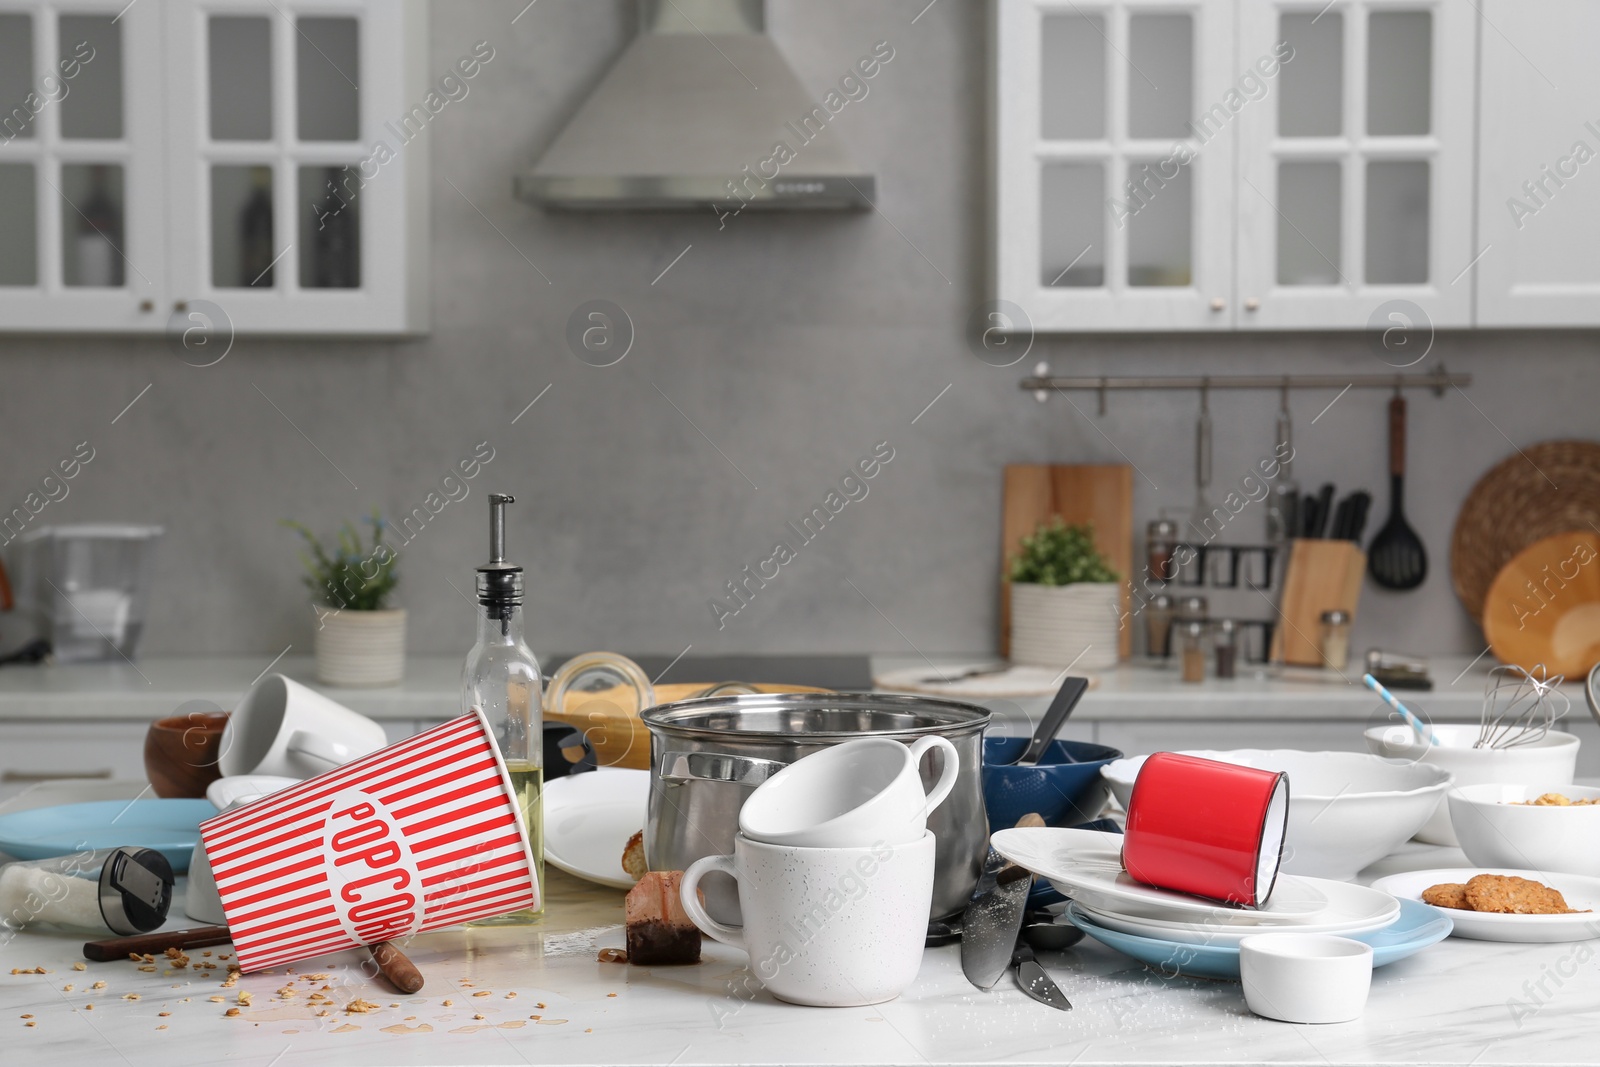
x=690, y=894
x=680, y=767
x=949, y=767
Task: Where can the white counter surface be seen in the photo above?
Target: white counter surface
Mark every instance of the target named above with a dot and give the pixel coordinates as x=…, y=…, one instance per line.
x=155, y=687
x=1459, y=1002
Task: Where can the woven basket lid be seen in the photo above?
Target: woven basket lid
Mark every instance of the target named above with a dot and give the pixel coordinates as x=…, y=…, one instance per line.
x=1544, y=489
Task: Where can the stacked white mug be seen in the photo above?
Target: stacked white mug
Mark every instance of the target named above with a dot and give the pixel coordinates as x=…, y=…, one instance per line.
x=834, y=862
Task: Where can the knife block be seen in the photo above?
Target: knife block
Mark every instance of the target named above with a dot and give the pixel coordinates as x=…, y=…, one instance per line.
x=1321, y=576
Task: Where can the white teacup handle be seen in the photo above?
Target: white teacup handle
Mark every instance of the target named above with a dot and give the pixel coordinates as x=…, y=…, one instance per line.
x=949, y=767
x=320, y=749
x=728, y=935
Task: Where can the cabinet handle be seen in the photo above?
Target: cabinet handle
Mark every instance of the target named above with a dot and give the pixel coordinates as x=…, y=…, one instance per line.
x=1218, y=304
x=47, y=776
x=1251, y=303
x=180, y=305
x=147, y=306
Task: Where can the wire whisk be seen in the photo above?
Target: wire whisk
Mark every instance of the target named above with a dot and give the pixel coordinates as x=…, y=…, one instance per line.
x=1520, y=707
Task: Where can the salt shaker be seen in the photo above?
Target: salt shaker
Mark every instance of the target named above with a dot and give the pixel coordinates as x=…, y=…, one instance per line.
x=1225, y=644
x=117, y=890
x=1189, y=638
x=1335, y=646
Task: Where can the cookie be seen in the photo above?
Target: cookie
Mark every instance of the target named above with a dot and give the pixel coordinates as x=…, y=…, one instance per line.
x=1447, y=895
x=1508, y=894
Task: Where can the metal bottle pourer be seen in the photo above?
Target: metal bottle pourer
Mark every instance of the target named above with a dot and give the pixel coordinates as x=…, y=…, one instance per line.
x=499, y=582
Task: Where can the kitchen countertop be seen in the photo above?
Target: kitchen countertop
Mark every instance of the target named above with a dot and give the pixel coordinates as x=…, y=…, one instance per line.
x=1459, y=1002
x=157, y=686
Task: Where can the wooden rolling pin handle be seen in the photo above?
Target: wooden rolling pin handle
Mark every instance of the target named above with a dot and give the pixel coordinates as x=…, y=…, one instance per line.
x=117, y=948
x=1032, y=819
x=396, y=967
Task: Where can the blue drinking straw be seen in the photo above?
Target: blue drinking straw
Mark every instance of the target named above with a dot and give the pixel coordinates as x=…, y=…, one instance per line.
x=1405, y=713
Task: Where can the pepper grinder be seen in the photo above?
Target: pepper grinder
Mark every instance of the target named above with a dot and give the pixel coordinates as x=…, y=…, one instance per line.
x=501, y=679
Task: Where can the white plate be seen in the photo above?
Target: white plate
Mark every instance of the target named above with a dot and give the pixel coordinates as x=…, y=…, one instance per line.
x=1086, y=865
x=1351, y=909
x=1581, y=892
x=588, y=819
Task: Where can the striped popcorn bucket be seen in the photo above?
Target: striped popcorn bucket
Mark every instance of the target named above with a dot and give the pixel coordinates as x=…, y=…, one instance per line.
x=423, y=834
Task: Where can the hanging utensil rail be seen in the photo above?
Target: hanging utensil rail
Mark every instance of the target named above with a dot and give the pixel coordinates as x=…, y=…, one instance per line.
x=1043, y=381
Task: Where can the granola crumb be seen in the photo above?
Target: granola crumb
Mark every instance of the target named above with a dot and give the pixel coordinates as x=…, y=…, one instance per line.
x=511, y=996
x=217, y=1000
x=134, y=956
x=245, y=997
x=360, y=1007
x=67, y=988
x=205, y=952
x=147, y=968
x=29, y=970
x=80, y=966
x=323, y=1012
x=478, y=1016
x=88, y=1007
x=163, y=1026
x=30, y=1022
x=540, y=1004
x=130, y=996
x=449, y=1003
x=163, y=1014
x=98, y=985
x=232, y=1013
x=28, y=1016
x=610, y=994
x=288, y=991
x=484, y=993
x=148, y=957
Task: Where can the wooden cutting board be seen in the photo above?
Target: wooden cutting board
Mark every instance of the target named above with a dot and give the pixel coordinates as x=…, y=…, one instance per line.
x=1101, y=494
x=1544, y=606
x=1323, y=575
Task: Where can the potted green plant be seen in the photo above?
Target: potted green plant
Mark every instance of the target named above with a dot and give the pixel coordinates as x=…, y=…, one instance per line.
x=360, y=639
x=1065, y=600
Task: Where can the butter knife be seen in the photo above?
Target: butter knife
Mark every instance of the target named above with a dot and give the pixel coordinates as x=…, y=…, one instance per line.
x=1032, y=979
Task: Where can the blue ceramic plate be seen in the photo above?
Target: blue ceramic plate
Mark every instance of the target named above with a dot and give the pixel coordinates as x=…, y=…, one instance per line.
x=171, y=827
x=1417, y=927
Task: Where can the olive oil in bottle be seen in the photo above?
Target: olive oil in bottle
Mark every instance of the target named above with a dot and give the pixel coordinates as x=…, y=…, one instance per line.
x=501, y=679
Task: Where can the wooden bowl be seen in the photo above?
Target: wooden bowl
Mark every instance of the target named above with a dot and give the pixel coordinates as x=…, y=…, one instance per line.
x=181, y=753
x=609, y=718
x=1544, y=606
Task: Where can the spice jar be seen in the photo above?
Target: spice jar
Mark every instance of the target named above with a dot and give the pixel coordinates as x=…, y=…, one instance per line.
x=1335, y=645
x=1225, y=645
x=1160, y=540
x=1191, y=607
x=1158, y=626
x=1190, y=638
x=117, y=890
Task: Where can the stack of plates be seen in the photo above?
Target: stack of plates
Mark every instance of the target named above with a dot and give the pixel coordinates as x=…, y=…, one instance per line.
x=1181, y=934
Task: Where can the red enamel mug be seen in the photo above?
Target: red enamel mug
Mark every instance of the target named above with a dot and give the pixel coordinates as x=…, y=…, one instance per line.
x=1208, y=828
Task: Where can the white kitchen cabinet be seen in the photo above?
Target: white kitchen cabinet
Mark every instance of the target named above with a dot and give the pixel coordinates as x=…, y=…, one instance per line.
x=211, y=167
x=1356, y=167
x=1538, y=175
x=1232, y=164
x=1111, y=211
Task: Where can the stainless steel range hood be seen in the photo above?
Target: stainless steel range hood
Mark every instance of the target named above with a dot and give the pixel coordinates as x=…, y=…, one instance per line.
x=691, y=115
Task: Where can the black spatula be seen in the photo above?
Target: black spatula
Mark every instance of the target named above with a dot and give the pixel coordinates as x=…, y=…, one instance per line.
x=1396, y=558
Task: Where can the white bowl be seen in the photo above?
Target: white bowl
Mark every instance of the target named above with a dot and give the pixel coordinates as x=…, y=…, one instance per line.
x=1548, y=762
x=1496, y=831
x=1305, y=978
x=1346, y=809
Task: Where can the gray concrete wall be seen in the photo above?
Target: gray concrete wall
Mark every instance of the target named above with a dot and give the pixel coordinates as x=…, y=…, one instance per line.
x=794, y=343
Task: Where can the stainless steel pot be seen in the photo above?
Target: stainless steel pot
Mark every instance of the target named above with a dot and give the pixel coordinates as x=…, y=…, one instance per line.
x=707, y=755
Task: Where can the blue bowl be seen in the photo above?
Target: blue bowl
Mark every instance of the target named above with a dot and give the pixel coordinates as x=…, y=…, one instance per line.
x=1064, y=787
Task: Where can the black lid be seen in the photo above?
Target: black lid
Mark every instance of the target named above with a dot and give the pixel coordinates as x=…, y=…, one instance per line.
x=135, y=890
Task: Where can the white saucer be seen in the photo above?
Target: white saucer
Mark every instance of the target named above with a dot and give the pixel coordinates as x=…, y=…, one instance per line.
x=1581, y=892
x=1086, y=865
x=588, y=819
x=1351, y=909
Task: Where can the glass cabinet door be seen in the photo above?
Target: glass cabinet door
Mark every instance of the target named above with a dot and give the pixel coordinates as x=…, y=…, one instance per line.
x=80, y=168
x=1362, y=147
x=293, y=187
x=1113, y=202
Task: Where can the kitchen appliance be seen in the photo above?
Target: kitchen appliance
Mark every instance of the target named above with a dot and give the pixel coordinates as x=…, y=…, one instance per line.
x=86, y=587
x=707, y=755
x=1518, y=502
x=666, y=129
x=1396, y=557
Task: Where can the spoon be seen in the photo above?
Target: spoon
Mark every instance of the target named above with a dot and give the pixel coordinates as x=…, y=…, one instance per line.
x=1396, y=558
x=1041, y=931
x=1055, y=717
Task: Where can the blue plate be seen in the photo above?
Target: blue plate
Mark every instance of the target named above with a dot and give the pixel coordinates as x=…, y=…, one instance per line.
x=1417, y=927
x=171, y=827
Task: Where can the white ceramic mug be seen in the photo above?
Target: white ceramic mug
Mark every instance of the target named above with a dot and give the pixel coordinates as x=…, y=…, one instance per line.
x=830, y=927
x=850, y=795
x=282, y=727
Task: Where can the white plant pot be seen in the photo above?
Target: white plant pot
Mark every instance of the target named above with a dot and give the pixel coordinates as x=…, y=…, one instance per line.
x=1061, y=625
x=361, y=648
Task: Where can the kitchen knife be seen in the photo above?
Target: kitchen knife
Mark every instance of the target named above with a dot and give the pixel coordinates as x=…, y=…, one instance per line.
x=1324, y=510
x=991, y=925
x=1358, y=524
x=1032, y=980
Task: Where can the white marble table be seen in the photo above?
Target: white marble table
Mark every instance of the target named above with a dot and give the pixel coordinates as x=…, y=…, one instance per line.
x=1460, y=1002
